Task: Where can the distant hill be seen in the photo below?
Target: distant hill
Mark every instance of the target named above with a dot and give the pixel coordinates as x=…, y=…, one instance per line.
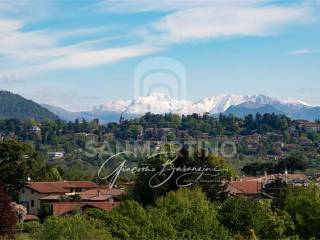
x=62, y=113
x=15, y=106
x=103, y=116
x=247, y=108
x=311, y=114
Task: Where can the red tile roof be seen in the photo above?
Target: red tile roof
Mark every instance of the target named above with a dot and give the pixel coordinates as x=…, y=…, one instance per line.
x=61, y=208
x=65, y=207
x=83, y=184
x=246, y=187
x=48, y=187
x=104, y=191
x=59, y=187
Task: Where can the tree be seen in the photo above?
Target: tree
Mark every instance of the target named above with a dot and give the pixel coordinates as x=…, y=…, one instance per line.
x=213, y=181
x=8, y=217
x=295, y=161
x=18, y=161
x=192, y=215
x=142, y=192
x=303, y=205
x=245, y=216
x=184, y=214
x=131, y=221
x=71, y=227
x=45, y=211
x=53, y=174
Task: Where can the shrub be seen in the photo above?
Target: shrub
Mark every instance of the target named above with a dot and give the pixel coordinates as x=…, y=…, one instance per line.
x=28, y=227
x=77, y=227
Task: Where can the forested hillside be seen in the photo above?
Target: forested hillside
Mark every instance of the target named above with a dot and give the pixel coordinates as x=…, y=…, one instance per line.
x=15, y=106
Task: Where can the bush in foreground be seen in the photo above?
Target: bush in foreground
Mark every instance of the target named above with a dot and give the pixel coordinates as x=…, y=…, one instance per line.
x=71, y=227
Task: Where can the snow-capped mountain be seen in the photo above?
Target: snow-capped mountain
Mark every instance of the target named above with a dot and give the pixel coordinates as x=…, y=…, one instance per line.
x=156, y=103
x=239, y=105
x=112, y=106
x=161, y=103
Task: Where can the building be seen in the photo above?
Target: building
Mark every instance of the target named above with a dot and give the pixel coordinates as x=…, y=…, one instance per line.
x=35, y=129
x=157, y=134
x=265, y=186
x=61, y=208
x=245, y=187
x=312, y=127
x=298, y=124
x=56, y=155
x=101, y=198
x=32, y=192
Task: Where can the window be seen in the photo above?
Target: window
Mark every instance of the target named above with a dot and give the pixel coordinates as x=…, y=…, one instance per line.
x=23, y=191
x=32, y=203
x=32, y=191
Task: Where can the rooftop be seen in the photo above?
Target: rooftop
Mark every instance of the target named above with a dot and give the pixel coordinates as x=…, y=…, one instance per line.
x=61, y=208
x=59, y=187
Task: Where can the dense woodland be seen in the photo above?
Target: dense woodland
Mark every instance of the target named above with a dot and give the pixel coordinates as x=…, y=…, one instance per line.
x=15, y=106
x=203, y=211
x=277, y=147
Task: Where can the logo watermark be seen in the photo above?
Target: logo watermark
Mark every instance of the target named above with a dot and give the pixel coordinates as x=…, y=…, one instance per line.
x=160, y=75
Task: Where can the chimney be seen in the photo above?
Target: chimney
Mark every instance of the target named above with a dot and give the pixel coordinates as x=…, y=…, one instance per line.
x=99, y=192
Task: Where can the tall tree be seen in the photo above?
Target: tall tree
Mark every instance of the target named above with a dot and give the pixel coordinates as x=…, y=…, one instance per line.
x=18, y=161
x=182, y=168
x=303, y=205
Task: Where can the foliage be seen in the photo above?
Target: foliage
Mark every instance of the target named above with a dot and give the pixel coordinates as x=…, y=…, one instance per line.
x=295, y=161
x=303, y=205
x=28, y=227
x=184, y=214
x=44, y=211
x=71, y=227
x=192, y=215
x=18, y=161
x=243, y=216
x=15, y=106
x=52, y=174
x=266, y=122
x=213, y=182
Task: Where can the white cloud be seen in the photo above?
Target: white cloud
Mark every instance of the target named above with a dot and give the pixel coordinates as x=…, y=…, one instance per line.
x=227, y=20
x=299, y=52
x=192, y=20
x=28, y=51
x=33, y=51
x=98, y=57
x=8, y=25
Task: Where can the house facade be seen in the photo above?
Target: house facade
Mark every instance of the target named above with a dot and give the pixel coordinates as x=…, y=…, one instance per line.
x=31, y=194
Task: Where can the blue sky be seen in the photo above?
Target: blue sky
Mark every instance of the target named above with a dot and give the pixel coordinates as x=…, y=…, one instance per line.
x=78, y=54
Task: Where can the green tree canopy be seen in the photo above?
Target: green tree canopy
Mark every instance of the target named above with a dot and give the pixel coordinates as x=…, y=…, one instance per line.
x=243, y=216
x=18, y=161
x=71, y=227
x=303, y=205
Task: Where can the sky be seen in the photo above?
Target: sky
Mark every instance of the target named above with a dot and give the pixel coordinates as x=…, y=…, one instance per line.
x=77, y=54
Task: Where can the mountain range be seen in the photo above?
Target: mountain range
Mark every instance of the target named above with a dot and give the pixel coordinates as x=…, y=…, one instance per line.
x=15, y=106
x=239, y=105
